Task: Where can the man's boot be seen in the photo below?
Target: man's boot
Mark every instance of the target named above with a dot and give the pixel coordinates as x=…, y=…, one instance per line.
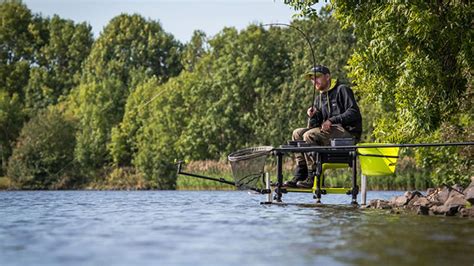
x=301, y=173
x=307, y=183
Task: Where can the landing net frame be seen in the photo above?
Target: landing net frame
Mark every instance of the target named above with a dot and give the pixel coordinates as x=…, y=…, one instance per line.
x=248, y=166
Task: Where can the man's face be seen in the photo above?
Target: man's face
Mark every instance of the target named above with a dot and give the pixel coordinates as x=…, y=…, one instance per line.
x=321, y=82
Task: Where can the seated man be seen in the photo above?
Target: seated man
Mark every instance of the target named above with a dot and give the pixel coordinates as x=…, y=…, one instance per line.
x=334, y=114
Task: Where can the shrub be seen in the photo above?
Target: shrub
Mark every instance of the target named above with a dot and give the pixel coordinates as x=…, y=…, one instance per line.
x=43, y=152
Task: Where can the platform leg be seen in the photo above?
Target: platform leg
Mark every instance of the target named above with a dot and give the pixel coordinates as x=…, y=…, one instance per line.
x=267, y=186
x=318, y=175
x=354, y=178
x=318, y=188
x=279, y=176
x=363, y=184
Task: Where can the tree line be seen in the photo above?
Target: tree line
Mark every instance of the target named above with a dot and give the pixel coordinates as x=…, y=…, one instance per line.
x=75, y=110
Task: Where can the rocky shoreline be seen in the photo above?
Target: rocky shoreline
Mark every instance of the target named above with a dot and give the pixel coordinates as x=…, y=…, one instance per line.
x=445, y=200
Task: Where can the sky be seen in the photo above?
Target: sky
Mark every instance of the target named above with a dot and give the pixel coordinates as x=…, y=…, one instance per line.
x=178, y=17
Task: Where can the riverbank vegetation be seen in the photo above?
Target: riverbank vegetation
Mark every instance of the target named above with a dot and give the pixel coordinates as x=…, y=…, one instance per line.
x=116, y=111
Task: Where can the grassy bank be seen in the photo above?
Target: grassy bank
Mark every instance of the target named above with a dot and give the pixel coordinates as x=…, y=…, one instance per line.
x=126, y=178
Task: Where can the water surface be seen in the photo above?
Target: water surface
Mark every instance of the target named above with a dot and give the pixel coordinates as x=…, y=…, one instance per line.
x=219, y=228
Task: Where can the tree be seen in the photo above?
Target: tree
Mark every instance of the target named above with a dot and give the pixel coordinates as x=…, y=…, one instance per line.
x=417, y=63
x=15, y=55
x=16, y=51
x=62, y=46
x=44, y=151
x=131, y=44
x=148, y=135
x=194, y=50
x=11, y=119
x=40, y=60
x=128, y=52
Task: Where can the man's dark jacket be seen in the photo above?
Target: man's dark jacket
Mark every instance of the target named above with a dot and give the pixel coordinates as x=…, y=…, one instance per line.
x=343, y=109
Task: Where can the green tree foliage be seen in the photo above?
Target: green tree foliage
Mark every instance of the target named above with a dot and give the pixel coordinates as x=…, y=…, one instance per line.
x=194, y=50
x=414, y=60
x=156, y=141
x=62, y=46
x=40, y=61
x=152, y=124
x=246, y=89
x=11, y=118
x=129, y=51
x=98, y=111
x=236, y=79
x=16, y=50
x=43, y=154
x=15, y=55
x=306, y=8
x=129, y=45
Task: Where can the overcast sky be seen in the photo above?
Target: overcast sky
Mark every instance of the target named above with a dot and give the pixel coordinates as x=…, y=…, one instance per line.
x=179, y=17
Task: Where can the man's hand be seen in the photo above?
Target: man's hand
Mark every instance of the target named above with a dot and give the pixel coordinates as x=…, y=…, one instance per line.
x=326, y=125
x=311, y=111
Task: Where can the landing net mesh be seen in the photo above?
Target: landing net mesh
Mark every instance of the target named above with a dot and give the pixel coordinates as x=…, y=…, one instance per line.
x=248, y=166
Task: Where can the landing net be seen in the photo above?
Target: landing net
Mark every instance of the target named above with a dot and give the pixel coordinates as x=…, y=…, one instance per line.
x=248, y=166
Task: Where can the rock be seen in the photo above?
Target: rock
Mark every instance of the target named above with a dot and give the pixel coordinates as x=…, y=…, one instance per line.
x=422, y=201
x=421, y=205
x=444, y=210
x=440, y=195
x=430, y=191
x=373, y=203
x=415, y=195
x=398, y=201
x=379, y=204
x=382, y=204
x=410, y=204
x=457, y=188
x=456, y=200
x=467, y=212
x=452, y=205
x=469, y=192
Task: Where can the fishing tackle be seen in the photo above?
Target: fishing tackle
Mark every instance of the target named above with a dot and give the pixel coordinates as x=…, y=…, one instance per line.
x=310, y=47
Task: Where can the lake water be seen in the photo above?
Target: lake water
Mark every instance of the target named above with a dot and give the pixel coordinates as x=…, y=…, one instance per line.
x=219, y=228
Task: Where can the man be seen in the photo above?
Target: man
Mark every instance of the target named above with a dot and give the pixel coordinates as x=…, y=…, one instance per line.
x=334, y=114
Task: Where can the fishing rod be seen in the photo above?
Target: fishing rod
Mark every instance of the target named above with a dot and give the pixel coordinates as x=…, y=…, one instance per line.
x=313, y=57
x=220, y=180
x=290, y=148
